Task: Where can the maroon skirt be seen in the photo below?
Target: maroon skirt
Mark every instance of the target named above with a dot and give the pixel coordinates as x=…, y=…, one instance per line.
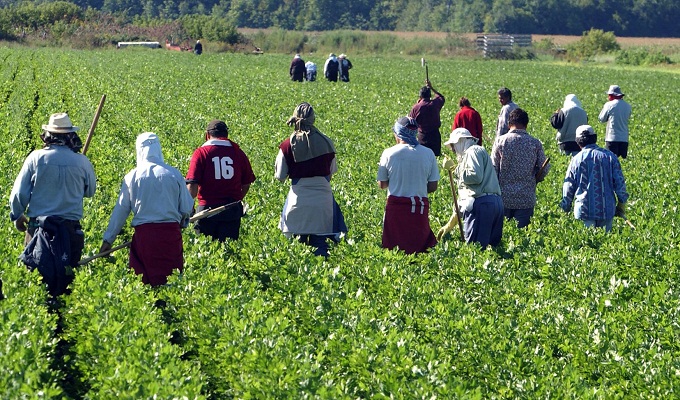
x=406, y=224
x=155, y=251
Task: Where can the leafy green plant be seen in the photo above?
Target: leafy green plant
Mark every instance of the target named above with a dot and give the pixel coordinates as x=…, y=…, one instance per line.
x=556, y=311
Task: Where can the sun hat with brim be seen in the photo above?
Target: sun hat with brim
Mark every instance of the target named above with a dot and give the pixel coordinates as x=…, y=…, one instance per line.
x=60, y=123
x=583, y=131
x=458, y=134
x=615, y=90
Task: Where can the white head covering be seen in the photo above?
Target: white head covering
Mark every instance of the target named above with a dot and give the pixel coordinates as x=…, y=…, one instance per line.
x=461, y=139
x=148, y=149
x=570, y=101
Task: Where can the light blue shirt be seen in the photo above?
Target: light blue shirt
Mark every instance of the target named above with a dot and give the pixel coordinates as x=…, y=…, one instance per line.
x=52, y=182
x=502, y=125
x=616, y=114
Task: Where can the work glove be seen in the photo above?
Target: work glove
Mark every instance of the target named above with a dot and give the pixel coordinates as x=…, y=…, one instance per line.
x=106, y=246
x=620, y=210
x=453, y=221
x=448, y=164
x=21, y=223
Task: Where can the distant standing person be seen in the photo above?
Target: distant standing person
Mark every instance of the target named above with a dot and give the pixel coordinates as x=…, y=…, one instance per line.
x=219, y=174
x=310, y=67
x=594, y=183
x=505, y=98
x=616, y=113
x=468, y=118
x=518, y=158
x=426, y=112
x=479, y=194
x=46, y=202
x=307, y=158
x=160, y=203
x=198, y=48
x=344, y=66
x=409, y=172
x=297, y=69
x=331, y=67
x=566, y=120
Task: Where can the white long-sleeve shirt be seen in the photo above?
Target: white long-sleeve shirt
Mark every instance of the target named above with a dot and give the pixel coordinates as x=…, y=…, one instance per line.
x=154, y=191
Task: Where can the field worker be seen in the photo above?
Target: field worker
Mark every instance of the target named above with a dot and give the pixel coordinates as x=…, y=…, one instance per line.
x=161, y=205
x=409, y=172
x=46, y=202
x=594, y=182
x=310, y=67
x=219, y=174
x=468, y=118
x=616, y=113
x=479, y=194
x=426, y=112
x=519, y=161
x=331, y=67
x=344, y=65
x=566, y=120
x=307, y=158
x=297, y=69
x=505, y=98
x=198, y=48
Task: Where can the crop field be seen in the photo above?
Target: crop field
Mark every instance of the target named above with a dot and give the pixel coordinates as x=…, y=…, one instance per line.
x=556, y=311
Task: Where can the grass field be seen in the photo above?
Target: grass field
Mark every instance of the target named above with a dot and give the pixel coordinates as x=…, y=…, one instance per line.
x=556, y=311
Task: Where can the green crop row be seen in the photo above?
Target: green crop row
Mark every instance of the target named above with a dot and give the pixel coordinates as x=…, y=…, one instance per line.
x=556, y=311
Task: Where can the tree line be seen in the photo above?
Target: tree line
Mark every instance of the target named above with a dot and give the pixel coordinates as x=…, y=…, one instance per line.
x=658, y=18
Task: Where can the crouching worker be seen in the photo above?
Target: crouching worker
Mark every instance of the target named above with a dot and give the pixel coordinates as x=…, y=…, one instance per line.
x=220, y=174
x=46, y=203
x=479, y=194
x=408, y=170
x=161, y=205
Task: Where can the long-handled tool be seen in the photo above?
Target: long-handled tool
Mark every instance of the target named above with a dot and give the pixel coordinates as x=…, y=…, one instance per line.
x=423, y=63
x=94, y=124
x=540, y=171
x=455, y=205
x=198, y=216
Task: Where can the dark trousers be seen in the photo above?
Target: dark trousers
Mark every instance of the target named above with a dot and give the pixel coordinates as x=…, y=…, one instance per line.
x=484, y=224
x=522, y=215
x=618, y=148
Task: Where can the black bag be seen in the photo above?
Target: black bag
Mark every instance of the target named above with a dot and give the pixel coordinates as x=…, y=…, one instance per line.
x=557, y=120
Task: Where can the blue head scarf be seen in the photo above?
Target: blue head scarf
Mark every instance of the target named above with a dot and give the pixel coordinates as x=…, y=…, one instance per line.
x=406, y=129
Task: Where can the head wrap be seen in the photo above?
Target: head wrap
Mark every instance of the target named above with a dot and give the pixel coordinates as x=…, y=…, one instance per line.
x=571, y=101
x=148, y=149
x=307, y=142
x=406, y=129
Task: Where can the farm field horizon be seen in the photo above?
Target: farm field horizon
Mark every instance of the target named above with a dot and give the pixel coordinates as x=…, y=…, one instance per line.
x=555, y=311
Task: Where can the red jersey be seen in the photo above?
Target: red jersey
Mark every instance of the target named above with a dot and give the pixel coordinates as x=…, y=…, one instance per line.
x=469, y=119
x=220, y=168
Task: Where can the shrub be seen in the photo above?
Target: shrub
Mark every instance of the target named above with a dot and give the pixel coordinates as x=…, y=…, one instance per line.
x=593, y=42
x=641, y=56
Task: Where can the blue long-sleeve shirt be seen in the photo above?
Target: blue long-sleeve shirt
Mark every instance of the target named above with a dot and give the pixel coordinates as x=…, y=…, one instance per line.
x=594, y=182
x=52, y=182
